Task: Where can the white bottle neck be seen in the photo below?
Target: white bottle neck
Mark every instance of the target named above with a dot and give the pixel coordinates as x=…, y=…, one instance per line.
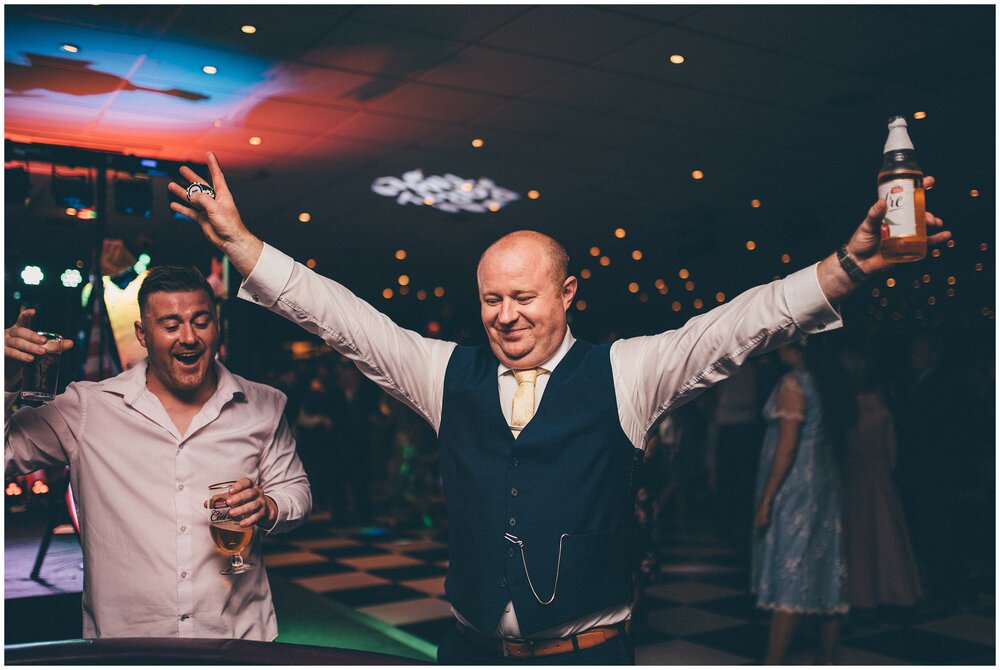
x=899, y=139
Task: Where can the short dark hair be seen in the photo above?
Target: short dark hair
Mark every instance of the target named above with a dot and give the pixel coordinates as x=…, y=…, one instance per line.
x=173, y=279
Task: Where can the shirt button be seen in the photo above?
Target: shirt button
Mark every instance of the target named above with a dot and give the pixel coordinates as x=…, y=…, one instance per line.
x=821, y=325
x=256, y=298
x=514, y=462
x=180, y=487
x=184, y=617
x=510, y=552
x=503, y=583
x=513, y=492
x=512, y=521
x=184, y=575
x=183, y=528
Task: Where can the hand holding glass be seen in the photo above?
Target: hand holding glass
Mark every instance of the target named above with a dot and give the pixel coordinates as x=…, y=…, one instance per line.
x=228, y=534
x=41, y=376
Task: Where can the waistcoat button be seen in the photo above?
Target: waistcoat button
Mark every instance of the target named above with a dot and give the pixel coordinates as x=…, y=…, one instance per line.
x=503, y=583
x=512, y=521
x=513, y=492
x=514, y=462
x=510, y=551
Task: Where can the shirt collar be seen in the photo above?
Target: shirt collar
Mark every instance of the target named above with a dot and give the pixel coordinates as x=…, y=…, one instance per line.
x=131, y=383
x=549, y=365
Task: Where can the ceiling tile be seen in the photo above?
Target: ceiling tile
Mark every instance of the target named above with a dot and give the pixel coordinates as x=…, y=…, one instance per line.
x=567, y=32
x=463, y=22
x=492, y=71
x=764, y=26
x=379, y=50
x=432, y=103
x=704, y=56
x=284, y=115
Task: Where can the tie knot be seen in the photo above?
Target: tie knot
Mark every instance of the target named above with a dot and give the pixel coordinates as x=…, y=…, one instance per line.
x=529, y=376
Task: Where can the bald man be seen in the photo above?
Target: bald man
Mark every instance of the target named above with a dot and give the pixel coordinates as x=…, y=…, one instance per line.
x=539, y=493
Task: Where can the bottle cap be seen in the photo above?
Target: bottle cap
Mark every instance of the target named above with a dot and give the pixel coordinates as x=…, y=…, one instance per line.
x=899, y=139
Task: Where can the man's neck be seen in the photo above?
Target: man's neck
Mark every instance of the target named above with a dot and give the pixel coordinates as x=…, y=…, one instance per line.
x=181, y=406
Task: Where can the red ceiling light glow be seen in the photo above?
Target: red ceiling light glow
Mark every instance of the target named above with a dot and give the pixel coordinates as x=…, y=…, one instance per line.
x=697, y=174
x=920, y=115
x=477, y=143
x=255, y=141
x=676, y=59
x=248, y=29
x=534, y=195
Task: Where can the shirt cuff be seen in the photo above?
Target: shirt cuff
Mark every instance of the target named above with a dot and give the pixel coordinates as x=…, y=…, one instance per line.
x=808, y=305
x=268, y=279
x=283, y=516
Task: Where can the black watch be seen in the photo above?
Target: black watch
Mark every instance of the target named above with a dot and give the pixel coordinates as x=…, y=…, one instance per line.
x=857, y=275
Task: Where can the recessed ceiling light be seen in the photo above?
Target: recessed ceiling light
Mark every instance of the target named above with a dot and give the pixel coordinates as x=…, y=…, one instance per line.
x=751, y=245
x=255, y=140
x=633, y=287
x=305, y=217
x=676, y=59
x=974, y=193
x=493, y=207
x=387, y=293
x=620, y=233
x=755, y=203
x=210, y=69
x=439, y=292
x=400, y=254
x=697, y=174
x=605, y=261
x=534, y=195
x=477, y=143
x=636, y=255
x=920, y=115
x=403, y=280
x=683, y=274
x=69, y=48
x=311, y=263
x=595, y=251
x=249, y=30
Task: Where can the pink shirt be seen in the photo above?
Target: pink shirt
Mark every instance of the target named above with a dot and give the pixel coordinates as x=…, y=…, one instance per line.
x=151, y=568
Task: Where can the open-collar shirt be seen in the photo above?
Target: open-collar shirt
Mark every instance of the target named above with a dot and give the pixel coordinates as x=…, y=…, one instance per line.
x=151, y=568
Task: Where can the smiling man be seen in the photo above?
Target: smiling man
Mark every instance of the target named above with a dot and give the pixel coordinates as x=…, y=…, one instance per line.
x=143, y=448
x=539, y=432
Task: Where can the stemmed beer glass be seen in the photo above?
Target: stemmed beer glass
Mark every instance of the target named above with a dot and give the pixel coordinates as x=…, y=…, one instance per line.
x=228, y=534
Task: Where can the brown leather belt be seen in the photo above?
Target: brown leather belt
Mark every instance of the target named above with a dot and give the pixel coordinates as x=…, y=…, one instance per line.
x=548, y=646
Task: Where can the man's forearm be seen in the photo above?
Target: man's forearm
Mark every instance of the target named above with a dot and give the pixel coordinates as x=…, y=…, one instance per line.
x=243, y=252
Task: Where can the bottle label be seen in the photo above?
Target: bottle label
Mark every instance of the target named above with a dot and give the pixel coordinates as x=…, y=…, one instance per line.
x=901, y=215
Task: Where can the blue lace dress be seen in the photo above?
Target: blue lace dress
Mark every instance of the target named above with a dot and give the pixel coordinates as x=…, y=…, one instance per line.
x=798, y=559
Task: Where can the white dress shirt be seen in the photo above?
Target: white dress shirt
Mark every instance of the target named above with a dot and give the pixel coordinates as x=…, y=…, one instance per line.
x=652, y=374
x=151, y=568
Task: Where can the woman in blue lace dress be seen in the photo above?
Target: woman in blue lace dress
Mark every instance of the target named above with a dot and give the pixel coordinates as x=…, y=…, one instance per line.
x=798, y=554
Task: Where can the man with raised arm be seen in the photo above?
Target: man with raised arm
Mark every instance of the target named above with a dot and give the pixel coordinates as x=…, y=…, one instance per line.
x=538, y=431
x=143, y=448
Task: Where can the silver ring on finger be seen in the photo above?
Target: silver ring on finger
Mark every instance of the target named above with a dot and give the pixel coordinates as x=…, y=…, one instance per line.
x=198, y=187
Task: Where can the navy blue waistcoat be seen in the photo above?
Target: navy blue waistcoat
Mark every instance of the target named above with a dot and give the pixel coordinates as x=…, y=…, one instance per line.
x=569, y=472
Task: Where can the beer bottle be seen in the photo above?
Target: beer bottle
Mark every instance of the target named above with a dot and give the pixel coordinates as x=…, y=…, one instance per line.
x=901, y=185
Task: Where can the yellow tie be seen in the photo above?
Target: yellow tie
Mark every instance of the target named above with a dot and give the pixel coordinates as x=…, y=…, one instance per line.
x=524, y=399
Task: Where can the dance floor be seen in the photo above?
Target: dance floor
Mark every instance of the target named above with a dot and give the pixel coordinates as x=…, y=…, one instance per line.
x=334, y=586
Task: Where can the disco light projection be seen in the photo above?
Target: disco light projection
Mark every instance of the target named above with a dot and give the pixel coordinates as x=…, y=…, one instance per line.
x=449, y=193
x=71, y=278
x=32, y=275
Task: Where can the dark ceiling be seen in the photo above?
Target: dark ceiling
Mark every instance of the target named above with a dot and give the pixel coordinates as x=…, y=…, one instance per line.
x=783, y=104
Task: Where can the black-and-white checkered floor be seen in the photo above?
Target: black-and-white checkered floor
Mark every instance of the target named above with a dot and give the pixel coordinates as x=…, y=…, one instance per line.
x=699, y=611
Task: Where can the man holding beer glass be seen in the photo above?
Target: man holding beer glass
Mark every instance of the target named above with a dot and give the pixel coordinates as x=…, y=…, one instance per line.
x=143, y=449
